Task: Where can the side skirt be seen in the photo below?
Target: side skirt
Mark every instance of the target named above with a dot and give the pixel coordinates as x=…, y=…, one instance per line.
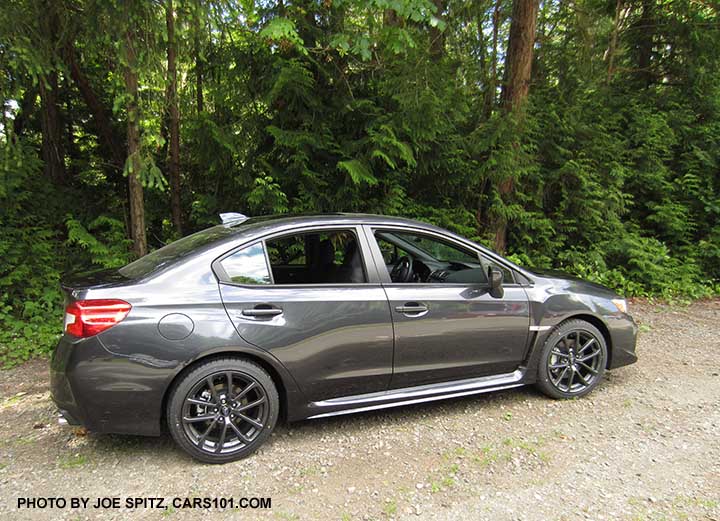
x=419, y=394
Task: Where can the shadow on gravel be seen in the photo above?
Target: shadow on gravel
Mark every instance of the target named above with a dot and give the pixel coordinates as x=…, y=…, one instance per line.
x=130, y=448
x=163, y=448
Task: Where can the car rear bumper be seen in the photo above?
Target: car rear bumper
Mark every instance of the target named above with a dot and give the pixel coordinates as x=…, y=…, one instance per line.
x=61, y=388
x=94, y=388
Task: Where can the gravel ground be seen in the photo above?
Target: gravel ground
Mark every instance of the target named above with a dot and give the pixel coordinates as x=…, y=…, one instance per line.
x=645, y=445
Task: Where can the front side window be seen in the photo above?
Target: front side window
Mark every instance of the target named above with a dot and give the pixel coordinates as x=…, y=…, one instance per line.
x=390, y=252
x=247, y=266
x=419, y=258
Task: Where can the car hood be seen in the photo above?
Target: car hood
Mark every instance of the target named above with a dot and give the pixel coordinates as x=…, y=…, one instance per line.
x=575, y=283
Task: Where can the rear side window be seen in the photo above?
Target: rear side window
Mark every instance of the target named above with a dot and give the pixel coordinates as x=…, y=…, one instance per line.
x=247, y=266
x=321, y=257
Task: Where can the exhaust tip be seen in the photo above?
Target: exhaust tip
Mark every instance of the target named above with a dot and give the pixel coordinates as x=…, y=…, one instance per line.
x=66, y=418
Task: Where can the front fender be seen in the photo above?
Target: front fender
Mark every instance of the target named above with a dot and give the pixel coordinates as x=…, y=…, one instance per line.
x=552, y=303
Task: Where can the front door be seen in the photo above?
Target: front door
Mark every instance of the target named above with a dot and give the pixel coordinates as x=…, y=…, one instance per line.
x=447, y=325
x=306, y=298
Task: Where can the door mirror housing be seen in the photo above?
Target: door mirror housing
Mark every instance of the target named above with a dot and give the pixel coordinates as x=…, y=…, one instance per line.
x=495, y=278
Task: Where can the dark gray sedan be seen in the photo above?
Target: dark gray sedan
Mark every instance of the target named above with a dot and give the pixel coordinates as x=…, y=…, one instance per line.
x=221, y=333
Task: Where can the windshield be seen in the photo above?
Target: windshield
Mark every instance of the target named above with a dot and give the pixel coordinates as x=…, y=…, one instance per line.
x=174, y=251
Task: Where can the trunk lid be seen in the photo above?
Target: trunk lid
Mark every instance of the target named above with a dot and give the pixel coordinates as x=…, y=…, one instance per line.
x=75, y=283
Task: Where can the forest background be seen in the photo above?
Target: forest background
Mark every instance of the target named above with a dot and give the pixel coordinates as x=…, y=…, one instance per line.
x=582, y=135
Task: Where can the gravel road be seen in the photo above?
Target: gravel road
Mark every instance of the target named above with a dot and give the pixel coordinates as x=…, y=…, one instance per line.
x=645, y=445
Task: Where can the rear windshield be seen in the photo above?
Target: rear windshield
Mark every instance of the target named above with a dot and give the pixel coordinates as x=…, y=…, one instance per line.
x=174, y=251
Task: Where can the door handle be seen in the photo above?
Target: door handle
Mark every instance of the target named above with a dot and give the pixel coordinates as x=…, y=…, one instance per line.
x=262, y=311
x=412, y=308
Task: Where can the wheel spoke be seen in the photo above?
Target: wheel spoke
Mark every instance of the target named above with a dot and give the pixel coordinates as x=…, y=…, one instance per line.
x=593, y=371
x=587, y=344
x=562, y=375
x=582, y=378
x=213, y=392
x=588, y=357
x=228, y=375
x=247, y=389
x=195, y=401
x=557, y=352
x=558, y=366
x=570, y=381
x=201, y=440
x=239, y=433
x=221, y=441
x=251, y=421
x=196, y=419
x=249, y=405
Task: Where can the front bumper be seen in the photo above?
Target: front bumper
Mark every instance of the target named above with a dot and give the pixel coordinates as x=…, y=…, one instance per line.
x=623, y=333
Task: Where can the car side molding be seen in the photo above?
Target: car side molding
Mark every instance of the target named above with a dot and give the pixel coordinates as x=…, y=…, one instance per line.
x=539, y=328
x=418, y=394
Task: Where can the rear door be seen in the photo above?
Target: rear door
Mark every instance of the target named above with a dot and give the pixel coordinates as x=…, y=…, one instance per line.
x=447, y=325
x=311, y=299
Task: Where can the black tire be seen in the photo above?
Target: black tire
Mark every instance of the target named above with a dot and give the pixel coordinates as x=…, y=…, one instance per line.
x=237, y=413
x=564, y=369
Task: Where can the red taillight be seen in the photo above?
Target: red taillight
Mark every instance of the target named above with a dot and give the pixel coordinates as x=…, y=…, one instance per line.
x=84, y=318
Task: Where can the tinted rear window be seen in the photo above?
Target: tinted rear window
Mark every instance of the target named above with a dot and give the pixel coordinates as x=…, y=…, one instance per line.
x=174, y=251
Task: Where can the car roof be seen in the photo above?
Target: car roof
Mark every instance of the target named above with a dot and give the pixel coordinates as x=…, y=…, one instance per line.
x=330, y=218
x=255, y=227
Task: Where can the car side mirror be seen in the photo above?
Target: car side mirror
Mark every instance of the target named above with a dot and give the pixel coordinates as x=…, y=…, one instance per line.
x=495, y=277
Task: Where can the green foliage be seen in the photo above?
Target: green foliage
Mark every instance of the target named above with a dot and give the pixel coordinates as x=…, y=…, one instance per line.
x=358, y=171
x=383, y=106
x=29, y=296
x=282, y=31
x=111, y=251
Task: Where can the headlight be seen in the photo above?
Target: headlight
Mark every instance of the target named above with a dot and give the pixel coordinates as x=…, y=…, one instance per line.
x=621, y=304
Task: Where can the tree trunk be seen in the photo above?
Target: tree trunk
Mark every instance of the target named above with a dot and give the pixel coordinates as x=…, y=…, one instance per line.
x=51, y=125
x=519, y=54
x=437, y=37
x=645, y=30
x=52, y=149
x=102, y=122
x=518, y=67
x=489, y=101
x=175, y=208
x=135, y=189
x=198, y=59
x=612, y=47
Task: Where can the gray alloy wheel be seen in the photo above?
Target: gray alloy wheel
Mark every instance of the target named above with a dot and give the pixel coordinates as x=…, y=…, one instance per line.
x=572, y=361
x=223, y=410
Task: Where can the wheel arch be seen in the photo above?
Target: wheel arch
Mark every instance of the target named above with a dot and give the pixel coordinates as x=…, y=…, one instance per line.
x=600, y=325
x=286, y=386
